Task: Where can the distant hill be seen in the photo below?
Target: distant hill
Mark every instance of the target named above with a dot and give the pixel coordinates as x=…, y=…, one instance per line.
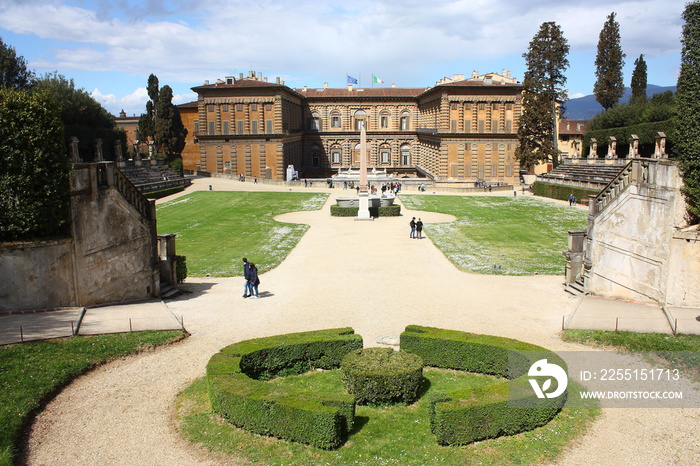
x=585, y=108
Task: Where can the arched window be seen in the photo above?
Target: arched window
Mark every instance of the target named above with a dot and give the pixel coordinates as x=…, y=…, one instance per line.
x=384, y=154
x=405, y=120
x=384, y=119
x=360, y=120
x=356, y=156
x=406, y=155
x=315, y=122
x=315, y=157
x=335, y=119
x=335, y=155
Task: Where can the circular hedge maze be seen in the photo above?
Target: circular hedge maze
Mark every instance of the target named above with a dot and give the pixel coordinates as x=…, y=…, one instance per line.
x=239, y=390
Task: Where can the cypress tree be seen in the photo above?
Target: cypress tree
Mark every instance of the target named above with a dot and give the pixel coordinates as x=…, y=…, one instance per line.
x=609, y=87
x=543, y=88
x=639, y=80
x=687, y=144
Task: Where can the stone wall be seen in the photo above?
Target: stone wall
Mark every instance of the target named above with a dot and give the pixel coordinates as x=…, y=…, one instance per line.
x=111, y=257
x=635, y=249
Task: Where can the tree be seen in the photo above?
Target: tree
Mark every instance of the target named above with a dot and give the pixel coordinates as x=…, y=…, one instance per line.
x=162, y=123
x=639, y=79
x=687, y=146
x=34, y=190
x=13, y=69
x=82, y=116
x=543, y=89
x=609, y=87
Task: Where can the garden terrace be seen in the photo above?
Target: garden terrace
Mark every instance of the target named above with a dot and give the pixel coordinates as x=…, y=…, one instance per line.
x=582, y=175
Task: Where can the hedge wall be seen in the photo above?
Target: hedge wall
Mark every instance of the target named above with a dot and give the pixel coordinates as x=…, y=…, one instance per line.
x=645, y=131
x=557, y=191
x=164, y=192
x=386, y=211
x=237, y=391
x=465, y=416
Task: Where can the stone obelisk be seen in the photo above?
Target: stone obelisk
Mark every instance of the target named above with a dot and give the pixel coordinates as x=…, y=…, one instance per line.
x=363, y=212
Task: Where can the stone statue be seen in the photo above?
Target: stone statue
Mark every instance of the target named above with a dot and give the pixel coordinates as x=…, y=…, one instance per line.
x=612, y=148
x=118, y=155
x=151, y=150
x=660, y=149
x=593, y=149
x=575, y=144
x=634, y=146
x=98, y=150
x=74, y=150
x=137, y=155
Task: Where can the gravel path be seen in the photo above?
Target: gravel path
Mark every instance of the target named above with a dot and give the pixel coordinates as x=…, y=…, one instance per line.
x=365, y=274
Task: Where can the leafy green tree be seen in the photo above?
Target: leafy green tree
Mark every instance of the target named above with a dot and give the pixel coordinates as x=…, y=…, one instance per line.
x=543, y=88
x=162, y=123
x=82, y=116
x=13, y=69
x=687, y=144
x=639, y=79
x=34, y=190
x=609, y=87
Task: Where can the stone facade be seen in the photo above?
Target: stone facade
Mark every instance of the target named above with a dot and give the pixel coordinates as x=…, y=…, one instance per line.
x=112, y=255
x=459, y=130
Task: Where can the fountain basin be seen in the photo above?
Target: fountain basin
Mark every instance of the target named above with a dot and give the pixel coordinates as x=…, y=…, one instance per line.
x=374, y=201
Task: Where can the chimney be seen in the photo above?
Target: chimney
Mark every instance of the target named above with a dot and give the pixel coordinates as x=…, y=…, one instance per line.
x=393, y=84
x=206, y=82
x=475, y=74
x=240, y=75
x=278, y=79
x=122, y=114
x=259, y=75
x=282, y=83
x=350, y=87
x=305, y=88
x=325, y=85
x=251, y=74
x=265, y=79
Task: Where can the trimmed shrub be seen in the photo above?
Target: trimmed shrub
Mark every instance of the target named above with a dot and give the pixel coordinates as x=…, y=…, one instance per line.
x=382, y=375
x=386, y=211
x=181, y=268
x=238, y=392
x=164, y=192
x=557, y=191
x=465, y=416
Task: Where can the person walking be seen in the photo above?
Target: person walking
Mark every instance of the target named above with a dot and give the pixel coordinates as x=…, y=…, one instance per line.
x=413, y=227
x=246, y=276
x=253, y=280
x=419, y=229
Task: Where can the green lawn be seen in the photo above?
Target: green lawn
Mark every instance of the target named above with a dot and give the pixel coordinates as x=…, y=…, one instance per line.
x=216, y=229
x=397, y=435
x=521, y=235
x=31, y=373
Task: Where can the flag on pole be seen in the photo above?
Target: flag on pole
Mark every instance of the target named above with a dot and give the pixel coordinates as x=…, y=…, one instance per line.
x=376, y=79
x=351, y=80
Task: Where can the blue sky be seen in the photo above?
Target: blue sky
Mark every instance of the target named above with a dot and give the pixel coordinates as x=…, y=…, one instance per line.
x=110, y=47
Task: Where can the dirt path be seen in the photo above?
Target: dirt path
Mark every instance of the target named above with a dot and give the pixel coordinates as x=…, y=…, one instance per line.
x=365, y=274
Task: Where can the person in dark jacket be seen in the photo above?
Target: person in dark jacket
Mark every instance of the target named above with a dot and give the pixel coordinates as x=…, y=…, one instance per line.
x=412, y=224
x=246, y=275
x=419, y=229
x=253, y=280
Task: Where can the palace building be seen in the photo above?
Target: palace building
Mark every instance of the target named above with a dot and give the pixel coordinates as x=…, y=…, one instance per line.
x=461, y=130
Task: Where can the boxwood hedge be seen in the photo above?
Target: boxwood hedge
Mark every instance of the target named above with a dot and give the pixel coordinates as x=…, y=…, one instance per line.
x=468, y=415
x=385, y=211
x=382, y=375
x=238, y=390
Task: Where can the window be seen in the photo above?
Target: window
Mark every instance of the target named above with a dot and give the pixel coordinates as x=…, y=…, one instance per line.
x=468, y=106
x=224, y=107
x=228, y=164
x=467, y=171
x=467, y=126
x=210, y=107
x=495, y=106
x=335, y=120
x=509, y=170
x=268, y=107
x=482, y=106
x=254, y=107
x=454, y=170
x=453, y=126
x=509, y=126
x=241, y=127
x=404, y=121
x=315, y=122
x=494, y=126
x=453, y=105
x=509, y=106
x=482, y=126
x=384, y=120
x=335, y=156
x=224, y=127
x=212, y=127
x=254, y=127
x=196, y=127
x=405, y=155
x=315, y=157
x=239, y=107
x=385, y=156
x=268, y=126
x=359, y=124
